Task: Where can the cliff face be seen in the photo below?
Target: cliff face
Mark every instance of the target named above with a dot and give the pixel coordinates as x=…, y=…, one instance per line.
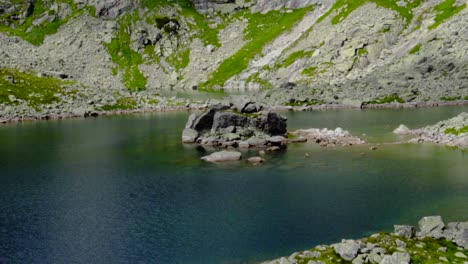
x=287, y=51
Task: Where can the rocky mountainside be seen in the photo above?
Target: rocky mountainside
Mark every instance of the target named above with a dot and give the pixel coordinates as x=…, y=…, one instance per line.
x=122, y=54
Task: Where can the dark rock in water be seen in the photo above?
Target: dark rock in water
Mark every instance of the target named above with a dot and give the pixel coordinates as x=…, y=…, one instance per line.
x=204, y=121
x=221, y=127
x=272, y=124
x=228, y=119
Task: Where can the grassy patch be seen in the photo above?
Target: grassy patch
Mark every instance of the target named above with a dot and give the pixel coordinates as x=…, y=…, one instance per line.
x=127, y=59
x=295, y=56
x=345, y=7
x=35, y=33
x=445, y=10
x=261, y=29
x=309, y=71
x=388, y=99
x=180, y=60
x=362, y=52
x=121, y=104
x=207, y=34
x=29, y=87
x=264, y=84
x=416, y=49
x=450, y=98
x=455, y=131
x=306, y=102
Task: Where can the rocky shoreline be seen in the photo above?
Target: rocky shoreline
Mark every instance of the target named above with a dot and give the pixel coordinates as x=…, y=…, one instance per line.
x=435, y=242
x=187, y=105
x=452, y=132
x=244, y=124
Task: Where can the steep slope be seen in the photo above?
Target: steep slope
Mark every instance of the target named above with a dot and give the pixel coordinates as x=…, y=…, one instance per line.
x=318, y=51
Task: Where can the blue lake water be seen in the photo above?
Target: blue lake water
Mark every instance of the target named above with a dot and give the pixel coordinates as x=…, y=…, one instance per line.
x=123, y=189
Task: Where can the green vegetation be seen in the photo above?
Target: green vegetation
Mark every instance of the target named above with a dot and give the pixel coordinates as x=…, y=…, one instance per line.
x=450, y=98
x=29, y=87
x=306, y=102
x=415, y=49
x=362, y=52
x=264, y=84
x=422, y=251
x=455, y=131
x=295, y=56
x=466, y=97
x=30, y=30
x=207, y=34
x=127, y=59
x=388, y=99
x=445, y=10
x=309, y=71
x=345, y=7
x=261, y=29
x=121, y=104
x=180, y=61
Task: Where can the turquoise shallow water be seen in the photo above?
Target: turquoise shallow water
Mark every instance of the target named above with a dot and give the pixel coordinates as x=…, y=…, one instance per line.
x=124, y=189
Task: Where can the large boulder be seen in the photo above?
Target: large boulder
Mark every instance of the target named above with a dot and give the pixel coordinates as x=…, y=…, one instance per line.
x=431, y=224
x=271, y=123
x=397, y=258
x=405, y=231
x=223, y=127
x=223, y=156
x=189, y=135
x=223, y=120
x=204, y=121
x=348, y=249
x=461, y=238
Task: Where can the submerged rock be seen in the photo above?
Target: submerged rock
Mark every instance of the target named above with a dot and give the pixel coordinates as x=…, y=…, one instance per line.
x=223, y=156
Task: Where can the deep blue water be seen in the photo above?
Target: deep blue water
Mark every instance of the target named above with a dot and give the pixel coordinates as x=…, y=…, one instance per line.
x=125, y=190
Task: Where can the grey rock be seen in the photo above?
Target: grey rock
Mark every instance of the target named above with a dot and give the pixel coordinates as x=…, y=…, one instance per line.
x=271, y=123
x=400, y=130
x=257, y=142
x=277, y=141
x=251, y=108
x=405, y=231
x=348, y=249
x=227, y=119
x=396, y=258
x=400, y=243
x=256, y=160
x=231, y=137
x=461, y=255
x=223, y=156
x=205, y=121
x=430, y=224
x=461, y=238
x=191, y=121
x=189, y=135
